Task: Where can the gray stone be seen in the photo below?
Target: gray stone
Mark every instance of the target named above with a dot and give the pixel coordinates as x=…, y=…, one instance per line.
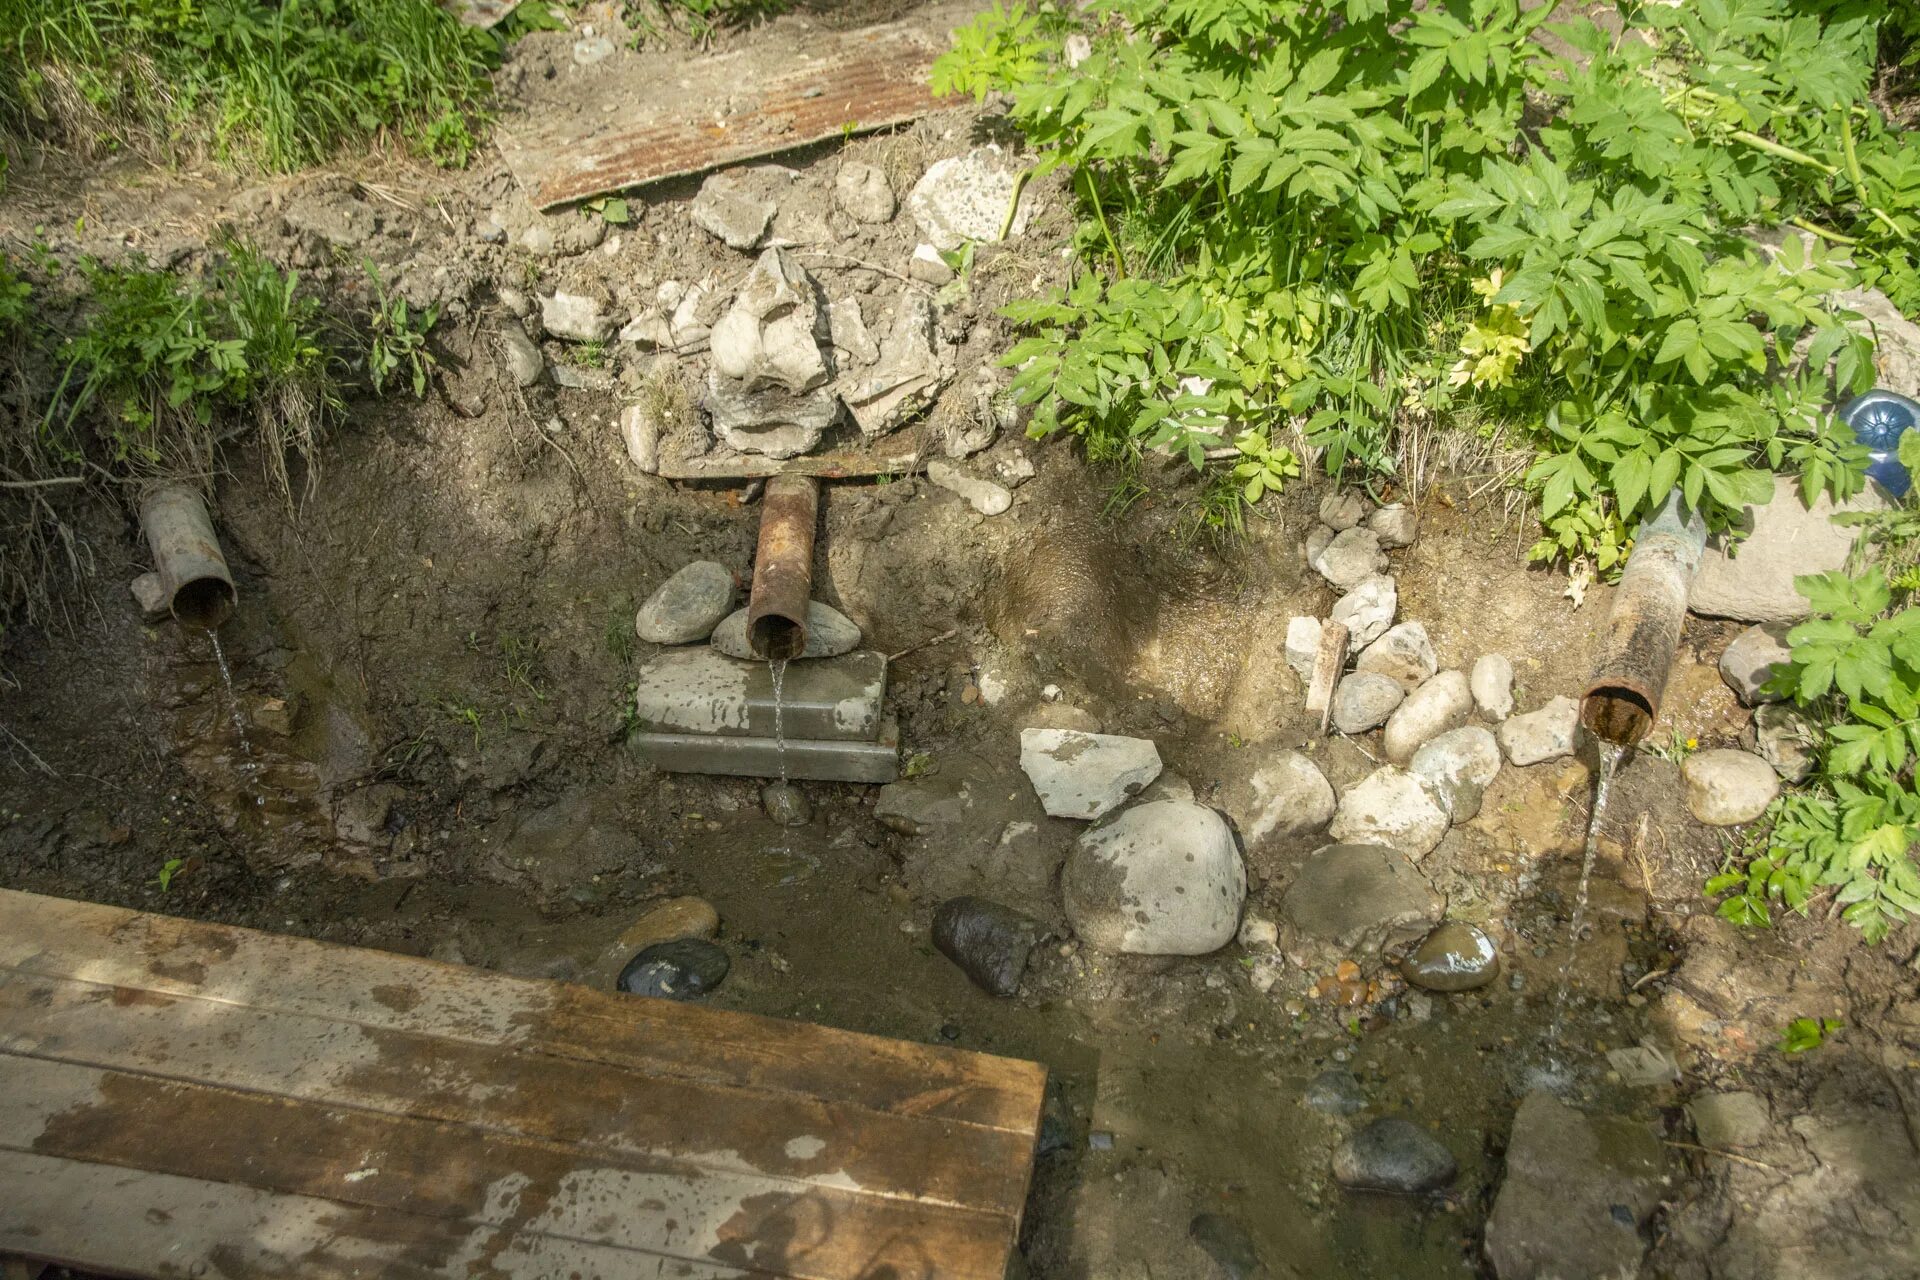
x=773, y=422
x=1364, y=700
x=538, y=240
x=1404, y=653
x=1168, y=786
x=1302, y=645
x=1257, y=933
x=1728, y=1120
x=907, y=376
x=1367, y=610
x=1228, y=1244
x=649, y=331
x=1441, y=704
x=520, y=355
x=849, y=330
x=1353, y=556
x=772, y=335
x=1537, y=736
x=640, y=430
x=928, y=267
x=1454, y=957
x=691, y=333
x=1577, y=1191
x=1086, y=775
x=1492, y=685
x=1752, y=659
x=830, y=633
x=1160, y=879
x=1392, y=807
x=1396, y=524
x=1726, y=788
x=984, y=496
x=1357, y=897
x=1786, y=738
x=566, y=375
x=1318, y=539
x=575, y=317
x=516, y=302
x=1284, y=795
x=785, y=804
x=1343, y=510
x=1643, y=1066
x=967, y=198
x=1752, y=579
x=150, y=593
x=737, y=205
x=1334, y=1092
x=688, y=606
x=989, y=942
x=1394, y=1154
x=1462, y=763
x=863, y=192
x=1896, y=350
x=684, y=969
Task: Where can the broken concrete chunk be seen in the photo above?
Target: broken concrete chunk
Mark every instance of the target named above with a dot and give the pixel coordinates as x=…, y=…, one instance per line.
x=575, y=318
x=928, y=267
x=773, y=334
x=849, y=330
x=863, y=191
x=968, y=197
x=1492, y=682
x=1302, y=645
x=1367, y=610
x=1404, y=653
x=1086, y=775
x=737, y=205
x=906, y=378
x=1396, y=524
x=1538, y=736
x=773, y=422
x=1342, y=510
x=650, y=331
x=690, y=330
x=984, y=496
x=520, y=355
x=1353, y=556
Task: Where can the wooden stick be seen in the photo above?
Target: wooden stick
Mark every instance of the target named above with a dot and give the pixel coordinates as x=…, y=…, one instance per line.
x=1725, y=1155
x=1327, y=665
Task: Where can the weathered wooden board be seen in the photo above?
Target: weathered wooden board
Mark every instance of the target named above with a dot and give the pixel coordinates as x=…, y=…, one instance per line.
x=290, y=1107
x=666, y=115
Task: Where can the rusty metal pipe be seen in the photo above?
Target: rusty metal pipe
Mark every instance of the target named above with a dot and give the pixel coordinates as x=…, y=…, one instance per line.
x=1636, y=654
x=783, y=568
x=195, y=583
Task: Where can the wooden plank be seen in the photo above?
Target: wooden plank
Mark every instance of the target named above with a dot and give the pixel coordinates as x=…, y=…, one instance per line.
x=659, y=1211
x=675, y=115
x=130, y=1222
x=107, y=945
x=789, y=1143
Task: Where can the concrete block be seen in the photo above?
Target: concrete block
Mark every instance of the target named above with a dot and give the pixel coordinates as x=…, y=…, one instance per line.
x=807, y=759
x=698, y=690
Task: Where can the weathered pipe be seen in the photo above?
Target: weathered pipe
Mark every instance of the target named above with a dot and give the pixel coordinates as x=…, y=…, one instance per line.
x=1636, y=655
x=193, y=573
x=783, y=568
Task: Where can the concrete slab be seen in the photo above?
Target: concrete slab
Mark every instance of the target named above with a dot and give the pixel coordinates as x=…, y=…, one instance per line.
x=698, y=690
x=807, y=759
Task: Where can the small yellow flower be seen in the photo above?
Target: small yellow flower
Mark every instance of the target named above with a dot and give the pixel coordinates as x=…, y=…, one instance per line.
x=1693, y=744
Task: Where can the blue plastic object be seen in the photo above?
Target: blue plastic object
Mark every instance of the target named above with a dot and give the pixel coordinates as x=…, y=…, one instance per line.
x=1879, y=419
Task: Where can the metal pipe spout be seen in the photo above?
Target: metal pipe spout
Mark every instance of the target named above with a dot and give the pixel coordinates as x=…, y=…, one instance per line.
x=1636, y=654
x=195, y=585
x=783, y=568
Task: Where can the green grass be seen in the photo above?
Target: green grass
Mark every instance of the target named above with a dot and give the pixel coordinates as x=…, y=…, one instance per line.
x=257, y=85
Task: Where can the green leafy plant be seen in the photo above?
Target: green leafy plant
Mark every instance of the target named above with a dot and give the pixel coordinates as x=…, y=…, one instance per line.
x=397, y=353
x=1804, y=1034
x=998, y=51
x=168, y=871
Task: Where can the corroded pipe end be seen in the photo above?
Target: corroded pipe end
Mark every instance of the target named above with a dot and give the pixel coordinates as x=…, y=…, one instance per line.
x=777, y=638
x=783, y=568
x=1617, y=712
x=196, y=583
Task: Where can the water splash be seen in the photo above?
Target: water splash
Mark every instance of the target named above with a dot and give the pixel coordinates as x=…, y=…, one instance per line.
x=1610, y=754
x=776, y=671
x=248, y=767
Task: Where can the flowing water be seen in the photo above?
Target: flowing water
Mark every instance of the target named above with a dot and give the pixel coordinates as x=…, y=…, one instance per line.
x=247, y=766
x=776, y=671
x=1610, y=753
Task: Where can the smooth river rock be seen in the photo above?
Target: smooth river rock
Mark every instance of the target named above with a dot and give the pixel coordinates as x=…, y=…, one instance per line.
x=1163, y=878
x=1751, y=660
x=988, y=941
x=1392, y=807
x=1284, y=795
x=1442, y=703
x=1086, y=775
x=830, y=633
x=684, y=969
x=1353, y=556
x=1357, y=897
x=1394, y=1154
x=1726, y=788
x=1454, y=957
x=1364, y=700
x=1539, y=736
x=1462, y=763
x=688, y=606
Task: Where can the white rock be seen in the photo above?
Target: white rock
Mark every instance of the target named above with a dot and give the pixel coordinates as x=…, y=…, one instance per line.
x=1462, y=763
x=641, y=431
x=928, y=267
x=1284, y=795
x=967, y=197
x=1086, y=775
x=770, y=337
x=1395, y=808
x=849, y=330
x=687, y=606
x=908, y=375
x=1353, y=556
x=1896, y=350
x=1342, y=510
x=1726, y=788
x=1257, y=933
x=1546, y=734
x=1397, y=525
x=690, y=332
x=575, y=318
x=1365, y=700
x=1318, y=539
x=521, y=355
x=1753, y=580
x=1161, y=879
x=1442, y=703
x=1404, y=653
x=1367, y=611
x=1492, y=683
x=1302, y=645
x=984, y=496
x=150, y=593
x=649, y=331
x=863, y=191
x=737, y=205
x=830, y=633
x=1751, y=660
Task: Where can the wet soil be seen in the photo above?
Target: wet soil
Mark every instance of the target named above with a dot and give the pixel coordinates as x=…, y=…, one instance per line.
x=432, y=651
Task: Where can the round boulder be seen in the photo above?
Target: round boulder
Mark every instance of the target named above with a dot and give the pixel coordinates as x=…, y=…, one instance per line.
x=1392, y=807
x=688, y=606
x=1364, y=700
x=1726, y=788
x=1162, y=879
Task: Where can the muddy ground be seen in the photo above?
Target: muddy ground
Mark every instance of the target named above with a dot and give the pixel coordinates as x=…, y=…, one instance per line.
x=432, y=652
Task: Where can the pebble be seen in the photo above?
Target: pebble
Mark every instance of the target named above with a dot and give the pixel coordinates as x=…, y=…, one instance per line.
x=990, y=942
x=521, y=355
x=1726, y=788
x=575, y=318
x=1342, y=511
x=1367, y=610
x=1405, y=653
x=1353, y=556
x=1539, y=736
x=1441, y=704
x=1335, y=1092
x=862, y=190
x=786, y=804
x=1751, y=660
x=1395, y=808
x=687, y=606
x=640, y=432
x=670, y=921
x=1461, y=762
x=1492, y=685
x=685, y=969
x=830, y=633
x=1394, y=1154
x=984, y=496
x=1454, y=957
x=591, y=50
x=1365, y=700
x=1396, y=524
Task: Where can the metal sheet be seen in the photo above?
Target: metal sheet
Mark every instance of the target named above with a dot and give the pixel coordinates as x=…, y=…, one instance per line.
x=673, y=115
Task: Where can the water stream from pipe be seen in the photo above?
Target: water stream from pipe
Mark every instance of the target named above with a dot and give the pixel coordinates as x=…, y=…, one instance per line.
x=233, y=705
x=1610, y=753
x=776, y=672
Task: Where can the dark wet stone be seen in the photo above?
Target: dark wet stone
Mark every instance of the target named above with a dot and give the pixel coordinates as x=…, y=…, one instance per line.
x=989, y=942
x=1393, y=1154
x=786, y=804
x=684, y=969
x=1227, y=1243
x=1335, y=1092
x=1454, y=957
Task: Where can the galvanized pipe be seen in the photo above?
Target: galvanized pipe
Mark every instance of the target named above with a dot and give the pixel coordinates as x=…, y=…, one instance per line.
x=195, y=583
x=783, y=568
x=1636, y=654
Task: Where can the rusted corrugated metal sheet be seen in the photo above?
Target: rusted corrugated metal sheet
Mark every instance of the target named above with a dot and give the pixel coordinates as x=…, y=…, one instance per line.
x=791, y=85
